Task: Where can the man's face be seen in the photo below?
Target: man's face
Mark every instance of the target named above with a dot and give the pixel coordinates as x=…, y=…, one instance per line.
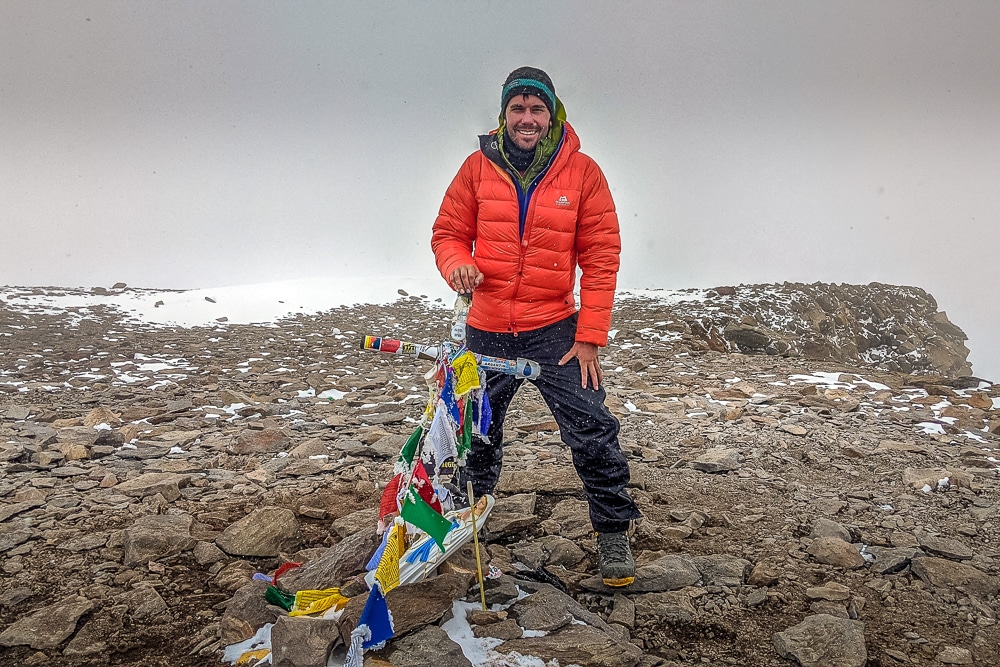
x=527, y=120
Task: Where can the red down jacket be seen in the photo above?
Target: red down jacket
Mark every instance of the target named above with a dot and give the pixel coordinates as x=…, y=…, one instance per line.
x=528, y=282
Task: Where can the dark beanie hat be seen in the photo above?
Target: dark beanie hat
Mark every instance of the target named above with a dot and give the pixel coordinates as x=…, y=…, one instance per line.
x=530, y=81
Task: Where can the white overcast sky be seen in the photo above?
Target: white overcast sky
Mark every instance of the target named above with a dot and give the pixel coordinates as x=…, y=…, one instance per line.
x=193, y=144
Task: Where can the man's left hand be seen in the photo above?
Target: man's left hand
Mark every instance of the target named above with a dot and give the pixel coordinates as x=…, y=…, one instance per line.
x=590, y=365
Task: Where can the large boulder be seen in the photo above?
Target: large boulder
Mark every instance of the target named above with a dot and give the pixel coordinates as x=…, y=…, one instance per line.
x=264, y=533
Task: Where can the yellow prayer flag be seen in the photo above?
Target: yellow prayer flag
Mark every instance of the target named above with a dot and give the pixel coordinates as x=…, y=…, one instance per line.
x=314, y=602
x=253, y=656
x=466, y=373
x=387, y=572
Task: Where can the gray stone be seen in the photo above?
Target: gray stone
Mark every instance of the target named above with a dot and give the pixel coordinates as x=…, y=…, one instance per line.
x=622, y=611
x=829, y=607
x=206, y=553
x=794, y=429
x=167, y=484
x=354, y=522
x=548, y=594
x=890, y=560
x=667, y=573
x=573, y=517
x=919, y=478
x=555, y=479
x=560, y=551
x=412, y=605
x=830, y=528
x=264, y=533
x=17, y=412
x=14, y=596
x=14, y=534
x=503, y=630
x=246, y=611
x=49, y=626
x=829, y=591
x=235, y=575
x=311, y=447
x=501, y=590
x=955, y=655
x=302, y=641
x=506, y=524
x=835, y=551
x=521, y=503
x=668, y=606
x=13, y=509
x=943, y=546
x=428, y=647
x=722, y=569
x=545, y=611
x=757, y=597
x=944, y=573
x=268, y=440
x=577, y=644
x=389, y=446
x=157, y=536
x=823, y=640
x=530, y=554
x=143, y=603
x=95, y=634
x=344, y=559
x=11, y=452
x=68, y=471
x=299, y=468
x=85, y=542
x=717, y=461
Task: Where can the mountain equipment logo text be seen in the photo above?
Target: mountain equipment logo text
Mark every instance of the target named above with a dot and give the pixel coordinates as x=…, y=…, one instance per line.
x=562, y=201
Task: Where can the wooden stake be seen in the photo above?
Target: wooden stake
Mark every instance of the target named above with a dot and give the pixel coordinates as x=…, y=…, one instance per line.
x=475, y=541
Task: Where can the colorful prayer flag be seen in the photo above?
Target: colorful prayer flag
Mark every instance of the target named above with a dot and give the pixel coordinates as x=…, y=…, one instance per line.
x=441, y=436
x=410, y=448
x=377, y=556
x=279, y=598
x=316, y=601
x=373, y=631
x=484, y=414
x=466, y=373
x=387, y=572
x=465, y=440
x=376, y=617
x=420, y=514
x=448, y=396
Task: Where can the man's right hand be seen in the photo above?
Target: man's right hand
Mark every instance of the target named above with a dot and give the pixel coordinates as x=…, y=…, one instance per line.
x=465, y=278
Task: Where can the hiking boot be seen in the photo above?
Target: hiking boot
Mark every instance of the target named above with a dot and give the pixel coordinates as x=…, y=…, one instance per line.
x=615, y=558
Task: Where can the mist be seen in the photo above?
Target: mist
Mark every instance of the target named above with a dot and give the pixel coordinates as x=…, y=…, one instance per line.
x=191, y=144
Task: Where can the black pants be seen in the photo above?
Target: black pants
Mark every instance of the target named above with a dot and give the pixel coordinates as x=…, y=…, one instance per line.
x=586, y=425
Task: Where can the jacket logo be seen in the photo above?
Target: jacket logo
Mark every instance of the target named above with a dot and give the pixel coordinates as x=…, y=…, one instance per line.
x=562, y=201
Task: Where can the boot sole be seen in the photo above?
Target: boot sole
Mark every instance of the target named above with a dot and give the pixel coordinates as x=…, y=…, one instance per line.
x=621, y=581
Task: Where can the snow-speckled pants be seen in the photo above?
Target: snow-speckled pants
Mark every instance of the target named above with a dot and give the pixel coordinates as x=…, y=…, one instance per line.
x=585, y=423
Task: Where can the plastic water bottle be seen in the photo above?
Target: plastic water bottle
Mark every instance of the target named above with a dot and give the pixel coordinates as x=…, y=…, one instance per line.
x=528, y=369
x=462, y=304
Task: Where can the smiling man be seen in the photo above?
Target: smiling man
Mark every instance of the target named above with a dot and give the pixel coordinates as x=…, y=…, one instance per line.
x=524, y=212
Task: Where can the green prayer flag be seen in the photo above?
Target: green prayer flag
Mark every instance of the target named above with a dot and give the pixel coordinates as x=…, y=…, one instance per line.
x=423, y=516
x=465, y=439
x=279, y=598
x=410, y=448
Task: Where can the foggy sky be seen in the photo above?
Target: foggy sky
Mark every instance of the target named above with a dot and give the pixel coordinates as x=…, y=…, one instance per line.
x=188, y=144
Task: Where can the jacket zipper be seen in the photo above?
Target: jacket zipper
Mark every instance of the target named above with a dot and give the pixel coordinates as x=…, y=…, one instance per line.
x=523, y=202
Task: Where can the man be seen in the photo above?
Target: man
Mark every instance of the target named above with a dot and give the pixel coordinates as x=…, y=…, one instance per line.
x=523, y=212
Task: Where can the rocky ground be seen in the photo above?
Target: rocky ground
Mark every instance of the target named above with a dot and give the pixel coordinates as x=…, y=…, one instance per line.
x=796, y=511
